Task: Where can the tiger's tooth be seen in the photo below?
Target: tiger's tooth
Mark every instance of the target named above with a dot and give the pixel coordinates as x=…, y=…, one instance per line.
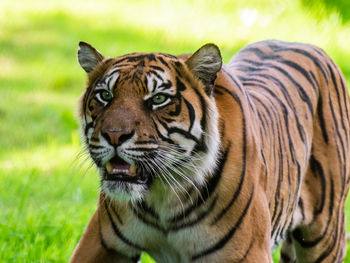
x=132, y=169
x=116, y=170
x=109, y=167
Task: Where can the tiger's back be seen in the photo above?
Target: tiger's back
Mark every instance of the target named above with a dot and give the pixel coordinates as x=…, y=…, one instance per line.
x=203, y=163
x=300, y=107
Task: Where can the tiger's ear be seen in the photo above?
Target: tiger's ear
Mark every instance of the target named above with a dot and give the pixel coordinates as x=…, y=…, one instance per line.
x=205, y=63
x=88, y=56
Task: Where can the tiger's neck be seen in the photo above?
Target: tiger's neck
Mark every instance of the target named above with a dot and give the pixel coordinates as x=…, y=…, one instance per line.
x=175, y=207
x=179, y=195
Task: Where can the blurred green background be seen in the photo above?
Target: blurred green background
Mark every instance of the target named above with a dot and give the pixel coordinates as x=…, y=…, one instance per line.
x=48, y=187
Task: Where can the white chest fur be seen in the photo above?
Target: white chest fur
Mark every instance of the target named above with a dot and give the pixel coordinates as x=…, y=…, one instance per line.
x=165, y=238
x=165, y=245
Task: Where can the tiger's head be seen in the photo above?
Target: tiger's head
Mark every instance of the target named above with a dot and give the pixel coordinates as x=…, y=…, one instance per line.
x=150, y=118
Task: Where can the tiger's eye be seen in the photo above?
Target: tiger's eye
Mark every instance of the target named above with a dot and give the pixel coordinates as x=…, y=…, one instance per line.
x=106, y=95
x=159, y=98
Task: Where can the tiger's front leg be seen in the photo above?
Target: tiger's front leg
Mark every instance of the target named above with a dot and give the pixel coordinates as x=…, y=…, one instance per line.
x=91, y=248
x=256, y=230
x=245, y=228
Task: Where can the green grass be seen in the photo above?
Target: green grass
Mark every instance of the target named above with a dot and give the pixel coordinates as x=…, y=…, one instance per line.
x=48, y=193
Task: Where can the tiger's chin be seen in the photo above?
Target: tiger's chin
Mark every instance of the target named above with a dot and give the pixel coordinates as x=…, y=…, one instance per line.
x=124, y=187
x=123, y=191
x=121, y=180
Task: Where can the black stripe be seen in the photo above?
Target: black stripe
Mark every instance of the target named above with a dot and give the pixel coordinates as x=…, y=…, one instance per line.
x=87, y=127
x=244, y=157
x=118, y=216
x=305, y=53
x=270, y=119
x=342, y=167
x=275, y=227
x=249, y=70
x=321, y=119
x=177, y=110
x=301, y=70
x=168, y=56
x=263, y=124
x=199, y=217
x=334, y=236
x=165, y=86
x=341, y=111
x=261, y=55
x=142, y=218
x=129, y=58
x=147, y=209
x=276, y=217
x=344, y=90
x=155, y=73
x=180, y=86
x=191, y=114
x=208, y=189
x=86, y=97
x=317, y=171
x=145, y=142
x=303, y=95
x=250, y=79
x=155, y=82
x=157, y=67
x=169, y=120
x=315, y=81
x=141, y=149
x=280, y=176
x=109, y=250
x=161, y=135
x=96, y=147
x=238, y=85
x=286, y=121
x=251, y=104
x=119, y=233
x=277, y=144
x=103, y=242
x=178, y=67
x=120, y=65
x=163, y=62
x=297, y=233
x=204, y=110
x=150, y=57
x=180, y=131
x=178, y=106
x=222, y=242
x=247, y=252
x=202, y=146
x=91, y=107
x=100, y=103
x=285, y=117
x=110, y=74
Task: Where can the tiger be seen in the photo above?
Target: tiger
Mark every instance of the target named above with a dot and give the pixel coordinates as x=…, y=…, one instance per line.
x=204, y=162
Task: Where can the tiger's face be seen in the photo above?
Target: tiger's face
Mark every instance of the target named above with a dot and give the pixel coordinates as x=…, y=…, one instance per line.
x=150, y=118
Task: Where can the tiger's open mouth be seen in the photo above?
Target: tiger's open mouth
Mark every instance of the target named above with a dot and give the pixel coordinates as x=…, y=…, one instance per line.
x=117, y=169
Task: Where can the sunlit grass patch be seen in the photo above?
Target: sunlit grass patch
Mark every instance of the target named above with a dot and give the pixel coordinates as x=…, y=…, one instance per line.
x=41, y=117
x=46, y=204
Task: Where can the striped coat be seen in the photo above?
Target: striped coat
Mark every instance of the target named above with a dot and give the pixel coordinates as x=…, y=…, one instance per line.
x=204, y=162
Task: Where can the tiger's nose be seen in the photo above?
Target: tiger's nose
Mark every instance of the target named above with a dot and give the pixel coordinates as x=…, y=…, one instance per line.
x=117, y=137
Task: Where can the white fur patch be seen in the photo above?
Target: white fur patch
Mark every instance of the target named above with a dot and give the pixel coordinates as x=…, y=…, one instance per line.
x=155, y=85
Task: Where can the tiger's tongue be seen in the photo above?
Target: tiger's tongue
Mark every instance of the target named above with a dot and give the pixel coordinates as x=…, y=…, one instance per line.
x=119, y=166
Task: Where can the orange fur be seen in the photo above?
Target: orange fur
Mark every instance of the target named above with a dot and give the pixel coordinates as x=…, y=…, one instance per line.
x=282, y=171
